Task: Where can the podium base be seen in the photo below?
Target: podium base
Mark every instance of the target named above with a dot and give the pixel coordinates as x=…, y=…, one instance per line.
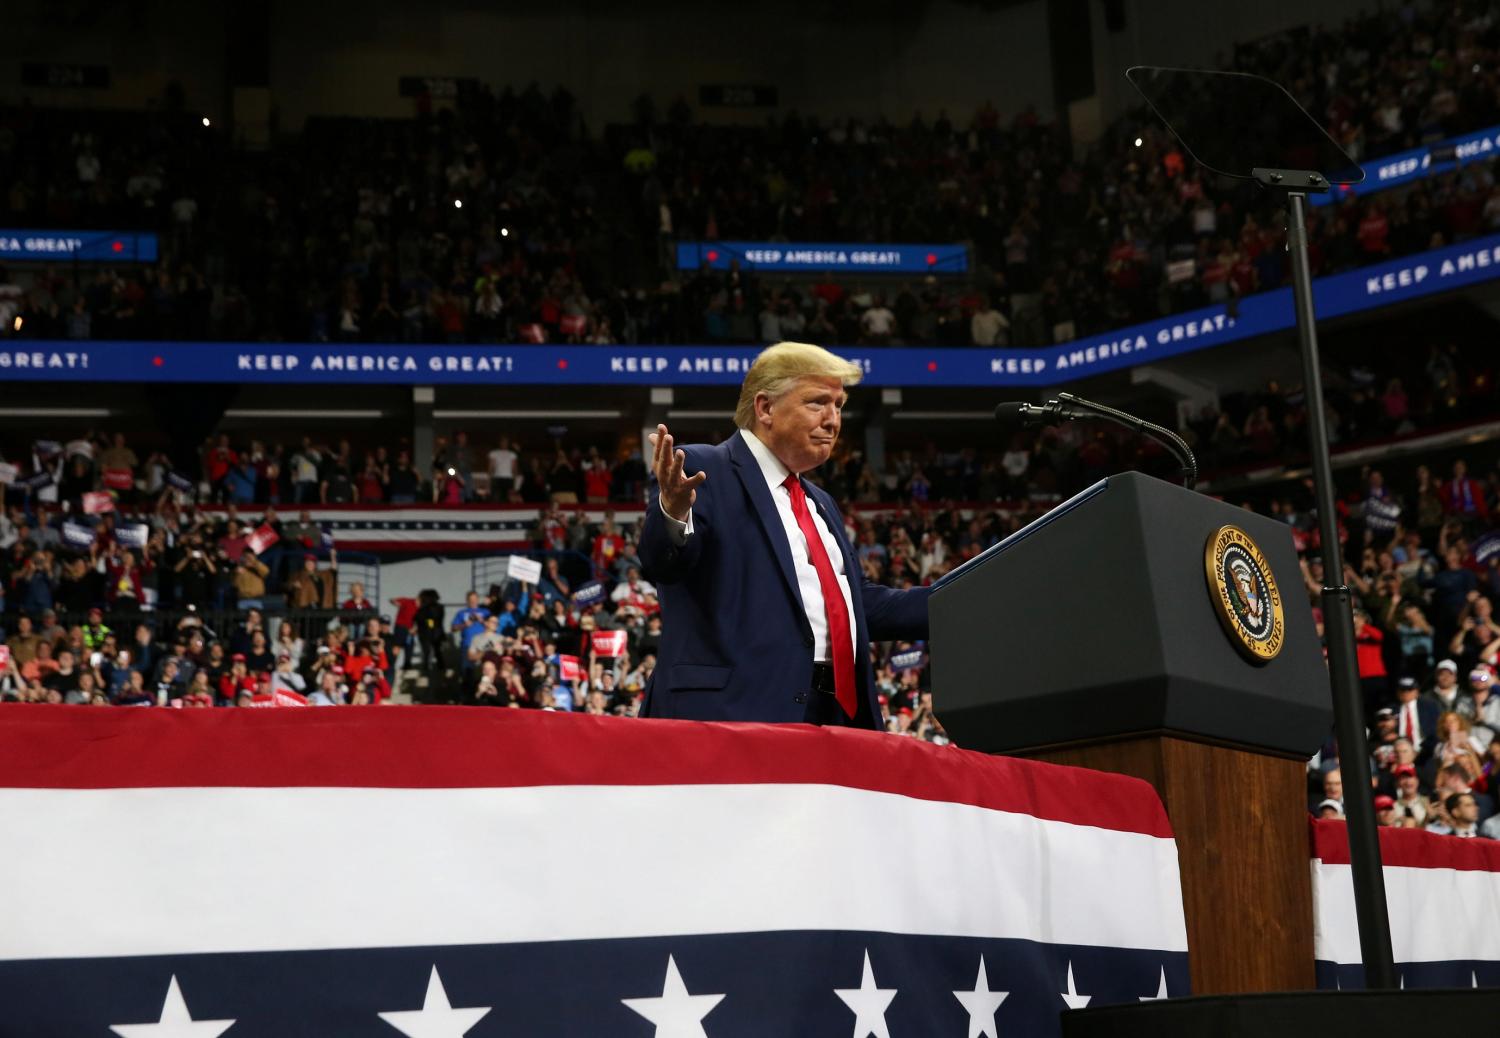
x=1242, y=847
x=1327, y=1014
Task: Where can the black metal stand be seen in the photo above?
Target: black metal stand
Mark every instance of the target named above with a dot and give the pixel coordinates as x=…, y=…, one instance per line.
x=1338, y=619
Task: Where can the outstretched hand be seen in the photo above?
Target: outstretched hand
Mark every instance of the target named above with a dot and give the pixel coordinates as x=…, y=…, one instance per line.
x=678, y=491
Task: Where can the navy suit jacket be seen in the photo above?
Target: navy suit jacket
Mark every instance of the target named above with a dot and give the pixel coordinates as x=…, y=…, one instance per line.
x=736, y=644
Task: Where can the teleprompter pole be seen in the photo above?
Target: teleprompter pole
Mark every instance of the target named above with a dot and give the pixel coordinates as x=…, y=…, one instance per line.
x=1338, y=625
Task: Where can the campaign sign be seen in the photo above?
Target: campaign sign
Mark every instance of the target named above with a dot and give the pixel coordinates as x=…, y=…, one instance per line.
x=526, y=570
x=261, y=539
x=589, y=593
x=132, y=535
x=76, y=535
x=4, y=657
x=117, y=479
x=1486, y=547
x=98, y=502
x=177, y=481
x=568, y=668
x=609, y=643
x=8, y=473
x=912, y=659
x=36, y=481
x=821, y=257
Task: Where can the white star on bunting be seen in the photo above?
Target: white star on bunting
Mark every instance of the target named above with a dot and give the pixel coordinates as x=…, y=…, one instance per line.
x=981, y=1004
x=437, y=1018
x=1071, y=996
x=1161, y=989
x=175, y=1021
x=869, y=1004
x=675, y=1013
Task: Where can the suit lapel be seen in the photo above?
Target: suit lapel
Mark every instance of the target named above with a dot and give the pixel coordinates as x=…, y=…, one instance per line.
x=748, y=471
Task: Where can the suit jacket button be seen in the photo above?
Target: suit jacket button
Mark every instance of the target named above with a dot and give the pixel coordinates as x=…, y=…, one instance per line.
x=800, y=697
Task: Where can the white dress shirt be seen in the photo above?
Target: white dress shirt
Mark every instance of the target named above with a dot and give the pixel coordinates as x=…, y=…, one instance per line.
x=811, y=588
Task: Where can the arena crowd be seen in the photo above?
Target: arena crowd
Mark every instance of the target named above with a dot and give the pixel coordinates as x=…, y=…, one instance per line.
x=506, y=219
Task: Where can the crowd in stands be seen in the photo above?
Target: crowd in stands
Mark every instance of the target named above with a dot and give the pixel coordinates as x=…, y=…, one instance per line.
x=1423, y=551
x=203, y=609
x=505, y=218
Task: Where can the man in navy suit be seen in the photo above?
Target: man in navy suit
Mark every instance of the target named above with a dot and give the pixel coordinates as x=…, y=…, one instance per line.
x=766, y=614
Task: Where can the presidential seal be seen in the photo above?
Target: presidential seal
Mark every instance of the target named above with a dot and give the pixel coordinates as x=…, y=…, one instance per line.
x=1244, y=594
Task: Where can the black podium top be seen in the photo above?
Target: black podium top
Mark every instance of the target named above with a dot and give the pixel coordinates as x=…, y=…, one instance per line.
x=1100, y=620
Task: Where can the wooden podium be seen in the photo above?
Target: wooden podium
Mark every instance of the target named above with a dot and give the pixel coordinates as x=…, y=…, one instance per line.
x=1100, y=636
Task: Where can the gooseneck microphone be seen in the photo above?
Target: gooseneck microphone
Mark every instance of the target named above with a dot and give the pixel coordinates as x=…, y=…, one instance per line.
x=1016, y=412
x=1066, y=407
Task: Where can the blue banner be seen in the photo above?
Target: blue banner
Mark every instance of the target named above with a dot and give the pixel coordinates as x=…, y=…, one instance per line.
x=90, y=246
x=824, y=257
x=1337, y=295
x=912, y=659
x=588, y=593
x=1429, y=160
x=132, y=535
x=76, y=535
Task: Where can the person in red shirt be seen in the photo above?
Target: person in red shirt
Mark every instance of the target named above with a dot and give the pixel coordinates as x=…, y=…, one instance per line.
x=1369, y=647
x=1464, y=497
x=357, y=602
x=359, y=659
x=234, y=541
x=1373, y=230
x=596, y=477
x=218, y=459
x=237, y=680
x=607, y=547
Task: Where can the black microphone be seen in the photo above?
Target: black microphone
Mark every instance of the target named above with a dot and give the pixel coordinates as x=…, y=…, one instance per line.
x=1018, y=412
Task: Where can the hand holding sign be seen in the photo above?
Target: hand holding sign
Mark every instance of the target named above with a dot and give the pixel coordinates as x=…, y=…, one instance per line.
x=678, y=491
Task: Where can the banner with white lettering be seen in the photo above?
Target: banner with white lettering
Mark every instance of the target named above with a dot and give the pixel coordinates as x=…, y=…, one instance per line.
x=75, y=246
x=608, y=643
x=1404, y=167
x=913, y=659
x=76, y=535
x=588, y=594
x=1396, y=281
x=132, y=535
x=8, y=473
x=262, y=538
x=823, y=257
x=98, y=502
x=526, y=570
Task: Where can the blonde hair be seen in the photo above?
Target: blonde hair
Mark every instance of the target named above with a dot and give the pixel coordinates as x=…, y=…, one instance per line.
x=778, y=367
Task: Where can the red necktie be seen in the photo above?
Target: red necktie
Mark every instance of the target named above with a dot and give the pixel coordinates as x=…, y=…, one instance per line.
x=840, y=643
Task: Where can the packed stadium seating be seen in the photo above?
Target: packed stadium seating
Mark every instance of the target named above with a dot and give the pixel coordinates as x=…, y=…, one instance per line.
x=505, y=218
